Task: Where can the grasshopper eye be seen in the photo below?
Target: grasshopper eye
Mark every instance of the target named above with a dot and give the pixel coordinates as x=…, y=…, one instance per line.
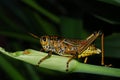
x=44, y=38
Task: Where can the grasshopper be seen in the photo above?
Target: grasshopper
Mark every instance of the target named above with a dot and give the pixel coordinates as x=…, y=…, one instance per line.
x=71, y=48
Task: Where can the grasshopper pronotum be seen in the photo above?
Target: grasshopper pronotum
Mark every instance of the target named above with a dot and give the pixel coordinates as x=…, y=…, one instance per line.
x=70, y=47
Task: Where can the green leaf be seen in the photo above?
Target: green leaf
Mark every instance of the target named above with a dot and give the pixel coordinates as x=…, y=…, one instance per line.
x=45, y=25
x=113, y=2
x=58, y=63
x=72, y=28
x=19, y=36
x=112, y=45
x=108, y=20
x=10, y=70
x=33, y=4
x=10, y=22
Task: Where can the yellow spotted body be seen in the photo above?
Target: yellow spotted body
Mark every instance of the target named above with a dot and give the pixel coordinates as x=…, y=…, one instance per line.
x=70, y=47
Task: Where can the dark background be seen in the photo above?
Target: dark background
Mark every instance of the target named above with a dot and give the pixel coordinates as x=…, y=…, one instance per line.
x=68, y=18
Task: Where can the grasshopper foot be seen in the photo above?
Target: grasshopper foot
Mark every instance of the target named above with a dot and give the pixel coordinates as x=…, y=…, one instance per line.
x=67, y=70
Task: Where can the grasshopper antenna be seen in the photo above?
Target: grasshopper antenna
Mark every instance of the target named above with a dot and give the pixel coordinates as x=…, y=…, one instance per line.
x=35, y=36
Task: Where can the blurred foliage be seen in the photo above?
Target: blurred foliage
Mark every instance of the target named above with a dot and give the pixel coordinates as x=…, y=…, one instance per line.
x=71, y=19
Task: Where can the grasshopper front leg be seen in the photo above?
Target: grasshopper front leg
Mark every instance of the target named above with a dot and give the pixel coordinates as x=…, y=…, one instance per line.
x=41, y=60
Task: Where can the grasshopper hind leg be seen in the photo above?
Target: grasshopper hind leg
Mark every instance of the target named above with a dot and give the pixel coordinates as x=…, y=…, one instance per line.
x=102, y=47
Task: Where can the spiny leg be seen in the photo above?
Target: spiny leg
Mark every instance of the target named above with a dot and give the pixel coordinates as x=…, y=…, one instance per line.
x=85, y=61
x=41, y=60
x=102, y=47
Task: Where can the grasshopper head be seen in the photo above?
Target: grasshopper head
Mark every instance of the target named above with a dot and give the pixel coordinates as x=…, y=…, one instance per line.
x=44, y=40
x=48, y=42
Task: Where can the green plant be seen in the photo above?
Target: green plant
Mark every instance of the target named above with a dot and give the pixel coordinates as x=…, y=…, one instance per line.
x=73, y=19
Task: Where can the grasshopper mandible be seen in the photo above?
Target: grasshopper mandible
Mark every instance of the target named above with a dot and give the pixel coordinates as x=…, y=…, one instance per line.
x=70, y=47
